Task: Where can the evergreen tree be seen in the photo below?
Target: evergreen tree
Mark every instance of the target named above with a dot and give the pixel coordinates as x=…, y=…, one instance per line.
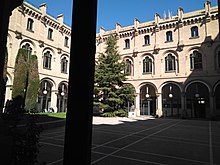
x=33, y=83
x=26, y=79
x=110, y=92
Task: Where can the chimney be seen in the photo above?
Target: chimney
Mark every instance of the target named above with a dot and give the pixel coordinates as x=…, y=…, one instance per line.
x=157, y=18
x=118, y=28
x=180, y=13
x=43, y=8
x=101, y=30
x=136, y=23
x=60, y=18
x=207, y=6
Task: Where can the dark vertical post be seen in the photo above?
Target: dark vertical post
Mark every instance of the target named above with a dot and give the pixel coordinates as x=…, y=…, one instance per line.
x=78, y=131
x=6, y=7
x=219, y=18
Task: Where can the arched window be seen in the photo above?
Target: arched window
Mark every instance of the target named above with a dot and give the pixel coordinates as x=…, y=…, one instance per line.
x=128, y=67
x=64, y=64
x=146, y=40
x=169, y=36
x=30, y=24
x=127, y=43
x=147, y=65
x=47, y=60
x=66, y=41
x=50, y=34
x=28, y=48
x=196, y=60
x=170, y=63
x=194, y=31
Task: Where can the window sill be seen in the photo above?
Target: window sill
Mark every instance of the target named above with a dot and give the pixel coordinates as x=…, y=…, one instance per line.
x=168, y=41
x=30, y=30
x=194, y=37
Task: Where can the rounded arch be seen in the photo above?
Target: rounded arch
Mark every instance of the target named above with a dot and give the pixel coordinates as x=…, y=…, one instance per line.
x=64, y=55
x=146, y=83
x=197, y=81
x=147, y=54
x=25, y=41
x=170, y=82
x=51, y=81
x=216, y=85
x=165, y=53
x=48, y=49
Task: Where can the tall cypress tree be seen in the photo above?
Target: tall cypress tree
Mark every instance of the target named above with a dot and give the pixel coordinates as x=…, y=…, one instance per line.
x=26, y=78
x=110, y=92
x=33, y=83
x=20, y=74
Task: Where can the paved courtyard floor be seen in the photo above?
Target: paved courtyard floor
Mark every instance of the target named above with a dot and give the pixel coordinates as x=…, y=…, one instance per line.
x=142, y=141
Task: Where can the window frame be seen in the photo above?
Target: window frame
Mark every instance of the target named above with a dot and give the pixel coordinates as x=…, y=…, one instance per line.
x=195, y=61
x=64, y=65
x=30, y=24
x=147, y=65
x=170, y=63
x=47, y=60
x=169, y=36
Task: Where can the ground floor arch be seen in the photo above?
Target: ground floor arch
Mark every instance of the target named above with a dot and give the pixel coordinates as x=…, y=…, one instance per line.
x=148, y=100
x=193, y=99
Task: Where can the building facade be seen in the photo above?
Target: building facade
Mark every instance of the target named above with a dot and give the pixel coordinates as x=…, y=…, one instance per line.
x=48, y=38
x=173, y=62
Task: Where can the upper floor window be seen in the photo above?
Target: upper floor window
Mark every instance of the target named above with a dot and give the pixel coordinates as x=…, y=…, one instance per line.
x=50, y=34
x=147, y=40
x=30, y=23
x=194, y=31
x=195, y=60
x=170, y=63
x=64, y=64
x=127, y=43
x=147, y=65
x=28, y=48
x=47, y=60
x=66, y=41
x=128, y=67
x=218, y=59
x=169, y=36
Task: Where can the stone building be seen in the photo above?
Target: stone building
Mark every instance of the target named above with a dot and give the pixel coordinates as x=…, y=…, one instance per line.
x=48, y=38
x=173, y=62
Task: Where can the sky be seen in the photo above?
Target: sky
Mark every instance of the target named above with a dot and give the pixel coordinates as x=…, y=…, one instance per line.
x=110, y=12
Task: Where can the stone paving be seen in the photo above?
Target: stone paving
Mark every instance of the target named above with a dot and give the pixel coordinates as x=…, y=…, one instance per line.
x=142, y=141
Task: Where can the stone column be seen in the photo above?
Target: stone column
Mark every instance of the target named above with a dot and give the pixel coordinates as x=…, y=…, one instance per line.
x=183, y=104
x=159, y=111
x=137, y=104
x=211, y=105
x=54, y=100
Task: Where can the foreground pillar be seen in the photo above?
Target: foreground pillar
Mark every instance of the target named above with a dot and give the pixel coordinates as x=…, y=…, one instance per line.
x=78, y=132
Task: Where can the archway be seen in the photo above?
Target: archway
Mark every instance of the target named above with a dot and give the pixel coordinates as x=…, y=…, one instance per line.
x=62, y=98
x=197, y=99
x=171, y=97
x=148, y=100
x=44, y=96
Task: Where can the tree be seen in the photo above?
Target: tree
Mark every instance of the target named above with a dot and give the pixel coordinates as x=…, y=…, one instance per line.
x=26, y=79
x=110, y=91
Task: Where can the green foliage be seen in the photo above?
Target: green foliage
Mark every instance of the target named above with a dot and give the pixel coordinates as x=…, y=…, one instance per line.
x=20, y=74
x=33, y=84
x=116, y=113
x=110, y=91
x=25, y=139
x=26, y=78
